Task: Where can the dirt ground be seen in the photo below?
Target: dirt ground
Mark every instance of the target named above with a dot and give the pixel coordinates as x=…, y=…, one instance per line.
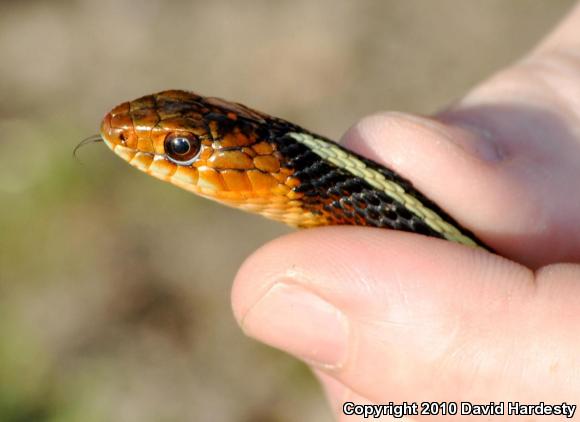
x=114, y=287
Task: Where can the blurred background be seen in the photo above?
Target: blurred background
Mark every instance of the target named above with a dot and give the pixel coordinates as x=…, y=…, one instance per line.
x=114, y=287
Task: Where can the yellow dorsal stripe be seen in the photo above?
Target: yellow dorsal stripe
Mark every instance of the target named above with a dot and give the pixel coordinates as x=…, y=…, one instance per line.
x=340, y=158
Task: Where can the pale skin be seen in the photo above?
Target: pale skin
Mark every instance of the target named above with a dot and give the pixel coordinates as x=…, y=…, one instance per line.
x=387, y=316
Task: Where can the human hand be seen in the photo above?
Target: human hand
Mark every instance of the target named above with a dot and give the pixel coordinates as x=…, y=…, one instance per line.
x=387, y=316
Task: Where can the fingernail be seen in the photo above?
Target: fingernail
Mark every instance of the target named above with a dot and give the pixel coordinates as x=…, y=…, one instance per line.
x=300, y=322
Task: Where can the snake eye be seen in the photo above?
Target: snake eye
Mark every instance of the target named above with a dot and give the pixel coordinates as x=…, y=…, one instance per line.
x=182, y=148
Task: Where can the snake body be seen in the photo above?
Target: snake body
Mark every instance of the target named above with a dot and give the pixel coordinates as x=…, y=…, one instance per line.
x=243, y=158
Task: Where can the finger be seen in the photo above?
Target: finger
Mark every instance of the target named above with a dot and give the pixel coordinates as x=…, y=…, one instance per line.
x=348, y=406
x=396, y=317
x=454, y=168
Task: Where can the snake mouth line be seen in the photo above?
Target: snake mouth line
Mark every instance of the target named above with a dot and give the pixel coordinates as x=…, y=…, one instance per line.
x=140, y=159
x=158, y=166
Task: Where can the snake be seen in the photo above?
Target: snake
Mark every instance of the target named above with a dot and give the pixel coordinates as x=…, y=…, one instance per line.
x=247, y=159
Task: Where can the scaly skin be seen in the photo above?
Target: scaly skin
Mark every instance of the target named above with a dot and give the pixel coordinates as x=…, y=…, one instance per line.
x=263, y=164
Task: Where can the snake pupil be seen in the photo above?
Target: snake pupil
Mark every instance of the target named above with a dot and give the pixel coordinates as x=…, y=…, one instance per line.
x=180, y=146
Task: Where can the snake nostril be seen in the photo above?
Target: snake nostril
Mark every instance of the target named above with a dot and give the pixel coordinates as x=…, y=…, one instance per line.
x=122, y=137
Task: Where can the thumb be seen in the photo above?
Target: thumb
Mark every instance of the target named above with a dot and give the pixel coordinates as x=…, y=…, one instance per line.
x=432, y=321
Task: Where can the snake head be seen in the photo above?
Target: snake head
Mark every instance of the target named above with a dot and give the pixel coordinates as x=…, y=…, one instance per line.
x=217, y=149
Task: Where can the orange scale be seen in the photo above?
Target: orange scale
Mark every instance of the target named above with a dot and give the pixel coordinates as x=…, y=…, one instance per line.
x=143, y=121
x=236, y=180
x=249, y=152
x=210, y=179
x=267, y=163
x=294, y=209
x=125, y=153
x=121, y=121
x=121, y=109
x=279, y=177
x=199, y=163
x=141, y=161
x=230, y=160
x=261, y=181
x=236, y=139
x=185, y=175
x=145, y=145
x=205, y=153
x=246, y=194
x=144, y=102
x=158, y=140
x=281, y=189
x=275, y=199
x=131, y=140
x=163, y=167
x=286, y=171
x=294, y=195
x=263, y=148
x=292, y=182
